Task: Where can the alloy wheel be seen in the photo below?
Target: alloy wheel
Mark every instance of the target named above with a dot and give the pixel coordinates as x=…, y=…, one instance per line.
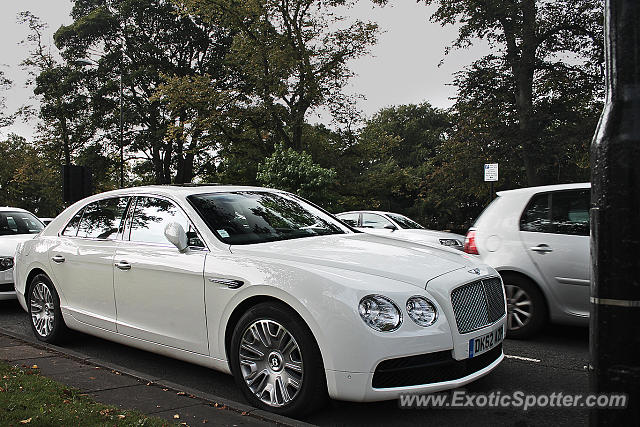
x=519, y=307
x=42, y=309
x=271, y=363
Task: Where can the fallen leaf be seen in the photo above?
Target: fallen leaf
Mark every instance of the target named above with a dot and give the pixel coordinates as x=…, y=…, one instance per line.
x=176, y=416
x=122, y=417
x=27, y=421
x=66, y=401
x=34, y=367
x=92, y=378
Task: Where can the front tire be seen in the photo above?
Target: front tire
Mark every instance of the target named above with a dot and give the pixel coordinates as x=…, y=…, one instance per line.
x=44, y=310
x=526, y=307
x=276, y=362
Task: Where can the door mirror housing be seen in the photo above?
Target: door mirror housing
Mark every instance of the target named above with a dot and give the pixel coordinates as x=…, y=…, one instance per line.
x=391, y=227
x=176, y=235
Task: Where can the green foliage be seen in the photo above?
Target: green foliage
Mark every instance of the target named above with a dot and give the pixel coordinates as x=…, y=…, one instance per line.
x=542, y=83
x=28, y=179
x=141, y=43
x=27, y=398
x=288, y=57
x=295, y=172
x=5, y=84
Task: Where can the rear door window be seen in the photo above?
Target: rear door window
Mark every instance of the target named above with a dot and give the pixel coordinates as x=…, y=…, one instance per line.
x=570, y=212
x=350, y=218
x=560, y=212
x=71, y=230
x=370, y=220
x=103, y=219
x=536, y=217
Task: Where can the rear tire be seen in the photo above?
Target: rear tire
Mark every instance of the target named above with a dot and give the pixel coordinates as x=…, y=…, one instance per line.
x=276, y=361
x=527, y=311
x=44, y=311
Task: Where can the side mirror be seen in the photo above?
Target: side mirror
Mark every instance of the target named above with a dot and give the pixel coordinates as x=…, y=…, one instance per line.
x=176, y=235
x=390, y=227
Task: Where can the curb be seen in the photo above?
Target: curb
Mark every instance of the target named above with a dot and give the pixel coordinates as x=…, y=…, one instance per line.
x=232, y=405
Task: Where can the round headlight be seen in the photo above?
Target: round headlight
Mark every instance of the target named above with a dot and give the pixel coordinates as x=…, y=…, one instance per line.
x=6, y=263
x=422, y=311
x=380, y=313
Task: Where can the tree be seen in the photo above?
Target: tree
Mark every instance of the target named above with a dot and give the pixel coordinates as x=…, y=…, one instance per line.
x=393, y=154
x=28, y=179
x=63, y=91
x=295, y=172
x=289, y=57
x=542, y=50
x=5, y=84
x=137, y=43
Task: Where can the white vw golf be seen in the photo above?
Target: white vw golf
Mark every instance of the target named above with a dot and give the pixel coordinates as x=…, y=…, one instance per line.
x=268, y=287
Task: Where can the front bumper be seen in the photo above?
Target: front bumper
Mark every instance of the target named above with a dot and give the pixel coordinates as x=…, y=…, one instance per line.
x=7, y=290
x=357, y=386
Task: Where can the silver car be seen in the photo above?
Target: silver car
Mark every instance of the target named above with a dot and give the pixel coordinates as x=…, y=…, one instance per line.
x=538, y=239
x=400, y=227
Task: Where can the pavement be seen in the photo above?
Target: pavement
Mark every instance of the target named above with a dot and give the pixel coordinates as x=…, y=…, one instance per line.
x=127, y=389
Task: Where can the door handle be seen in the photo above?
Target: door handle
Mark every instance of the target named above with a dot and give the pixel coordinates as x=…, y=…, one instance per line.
x=123, y=265
x=543, y=249
x=57, y=258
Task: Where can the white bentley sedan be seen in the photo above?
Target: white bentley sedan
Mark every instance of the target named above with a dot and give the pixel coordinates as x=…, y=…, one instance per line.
x=265, y=286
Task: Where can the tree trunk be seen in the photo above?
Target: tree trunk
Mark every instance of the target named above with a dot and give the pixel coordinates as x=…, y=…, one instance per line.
x=523, y=70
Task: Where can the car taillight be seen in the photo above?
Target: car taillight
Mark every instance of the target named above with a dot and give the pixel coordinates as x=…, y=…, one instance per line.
x=470, y=243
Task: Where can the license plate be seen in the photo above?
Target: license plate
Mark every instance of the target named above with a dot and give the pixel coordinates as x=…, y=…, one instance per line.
x=485, y=342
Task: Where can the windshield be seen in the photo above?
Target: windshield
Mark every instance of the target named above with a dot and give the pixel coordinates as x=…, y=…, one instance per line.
x=405, y=222
x=245, y=217
x=12, y=223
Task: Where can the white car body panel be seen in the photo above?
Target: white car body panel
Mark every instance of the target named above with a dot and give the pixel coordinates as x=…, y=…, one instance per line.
x=562, y=275
x=172, y=310
x=422, y=236
x=166, y=302
x=8, y=246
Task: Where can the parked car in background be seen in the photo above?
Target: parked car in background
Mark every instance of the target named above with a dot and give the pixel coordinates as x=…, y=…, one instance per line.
x=398, y=226
x=46, y=221
x=538, y=239
x=263, y=285
x=16, y=225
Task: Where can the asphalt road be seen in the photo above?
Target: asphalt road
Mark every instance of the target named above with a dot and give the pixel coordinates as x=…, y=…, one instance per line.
x=553, y=362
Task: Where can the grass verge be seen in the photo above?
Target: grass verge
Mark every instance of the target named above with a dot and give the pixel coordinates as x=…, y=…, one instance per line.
x=27, y=398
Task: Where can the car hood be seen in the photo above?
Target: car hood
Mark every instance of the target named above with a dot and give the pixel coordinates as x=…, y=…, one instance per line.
x=8, y=243
x=425, y=235
x=365, y=253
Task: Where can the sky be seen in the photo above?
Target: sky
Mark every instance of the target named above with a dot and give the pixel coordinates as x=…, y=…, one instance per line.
x=402, y=68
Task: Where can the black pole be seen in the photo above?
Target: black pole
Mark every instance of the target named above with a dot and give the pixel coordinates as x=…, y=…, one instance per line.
x=121, y=127
x=615, y=221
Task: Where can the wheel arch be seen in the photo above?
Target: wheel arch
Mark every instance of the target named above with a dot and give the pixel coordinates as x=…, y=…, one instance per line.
x=33, y=273
x=515, y=273
x=252, y=301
